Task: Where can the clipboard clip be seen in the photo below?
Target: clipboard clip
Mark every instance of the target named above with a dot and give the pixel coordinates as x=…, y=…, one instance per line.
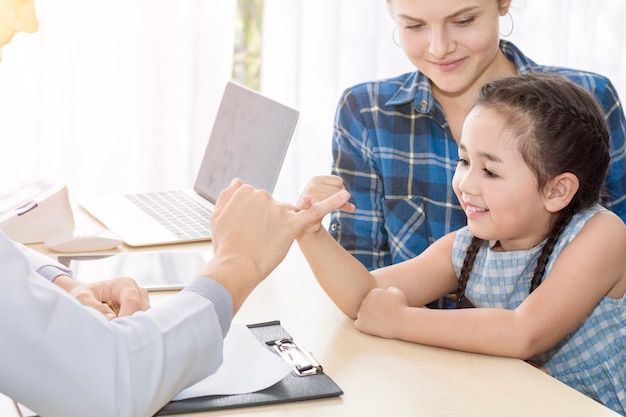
x=290, y=350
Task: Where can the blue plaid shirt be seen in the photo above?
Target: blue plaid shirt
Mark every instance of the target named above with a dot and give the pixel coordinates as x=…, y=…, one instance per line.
x=395, y=152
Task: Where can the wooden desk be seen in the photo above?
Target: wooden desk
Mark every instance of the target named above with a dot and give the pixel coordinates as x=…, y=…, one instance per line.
x=383, y=377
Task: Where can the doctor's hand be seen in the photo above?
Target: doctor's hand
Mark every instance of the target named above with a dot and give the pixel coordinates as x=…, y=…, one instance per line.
x=380, y=310
x=116, y=297
x=252, y=233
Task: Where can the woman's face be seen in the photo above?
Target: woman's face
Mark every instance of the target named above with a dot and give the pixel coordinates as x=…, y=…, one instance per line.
x=16, y=16
x=452, y=42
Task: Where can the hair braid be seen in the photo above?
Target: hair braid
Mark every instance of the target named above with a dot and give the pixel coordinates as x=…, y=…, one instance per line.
x=468, y=264
x=542, y=262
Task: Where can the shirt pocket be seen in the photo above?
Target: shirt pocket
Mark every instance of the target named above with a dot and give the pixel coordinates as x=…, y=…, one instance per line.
x=407, y=230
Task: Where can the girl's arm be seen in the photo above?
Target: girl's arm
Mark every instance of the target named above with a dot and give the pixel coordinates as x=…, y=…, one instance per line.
x=344, y=279
x=347, y=282
x=592, y=266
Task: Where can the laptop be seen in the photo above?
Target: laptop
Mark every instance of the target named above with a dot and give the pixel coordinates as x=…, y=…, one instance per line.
x=249, y=140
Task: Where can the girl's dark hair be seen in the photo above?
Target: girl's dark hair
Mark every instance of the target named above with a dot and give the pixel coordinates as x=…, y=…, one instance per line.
x=559, y=127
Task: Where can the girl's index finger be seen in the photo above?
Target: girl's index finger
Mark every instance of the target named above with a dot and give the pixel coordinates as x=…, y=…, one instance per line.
x=334, y=202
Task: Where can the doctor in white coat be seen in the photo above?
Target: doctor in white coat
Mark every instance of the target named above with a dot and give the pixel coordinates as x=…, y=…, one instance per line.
x=60, y=358
x=63, y=358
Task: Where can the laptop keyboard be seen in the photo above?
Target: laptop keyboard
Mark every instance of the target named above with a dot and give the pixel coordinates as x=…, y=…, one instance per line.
x=177, y=212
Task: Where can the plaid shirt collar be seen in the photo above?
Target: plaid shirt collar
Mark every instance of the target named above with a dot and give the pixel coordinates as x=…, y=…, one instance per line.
x=416, y=87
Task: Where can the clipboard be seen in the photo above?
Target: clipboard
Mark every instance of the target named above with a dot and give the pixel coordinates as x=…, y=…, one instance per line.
x=307, y=381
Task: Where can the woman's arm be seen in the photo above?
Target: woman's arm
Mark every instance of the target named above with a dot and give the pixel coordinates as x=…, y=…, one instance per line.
x=615, y=181
x=362, y=233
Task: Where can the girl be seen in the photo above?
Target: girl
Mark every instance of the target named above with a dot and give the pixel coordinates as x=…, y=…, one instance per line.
x=541, y=260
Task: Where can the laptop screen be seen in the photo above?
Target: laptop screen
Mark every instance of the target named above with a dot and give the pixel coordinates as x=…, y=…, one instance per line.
x=249, y=140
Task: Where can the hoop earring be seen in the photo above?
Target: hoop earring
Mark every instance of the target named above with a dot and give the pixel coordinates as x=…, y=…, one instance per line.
x=394, y=35
x=512, y=24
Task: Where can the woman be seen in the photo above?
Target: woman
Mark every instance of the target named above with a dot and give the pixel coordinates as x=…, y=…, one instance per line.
x=395, y=140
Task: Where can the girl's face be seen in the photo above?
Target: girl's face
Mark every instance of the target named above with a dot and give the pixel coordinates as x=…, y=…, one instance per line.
x=495, y=186
x=16, y=16
x=453, y=42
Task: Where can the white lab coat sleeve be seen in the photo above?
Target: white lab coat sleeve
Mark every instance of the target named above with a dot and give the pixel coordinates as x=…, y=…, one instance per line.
x=38, y=260
x=60, y=358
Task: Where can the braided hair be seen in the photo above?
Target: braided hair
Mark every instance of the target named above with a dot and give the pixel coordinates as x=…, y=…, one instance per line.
x=559, y=127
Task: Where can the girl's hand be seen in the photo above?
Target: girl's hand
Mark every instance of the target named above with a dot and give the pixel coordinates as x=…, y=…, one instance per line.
x=321, y=187
x=380, y=310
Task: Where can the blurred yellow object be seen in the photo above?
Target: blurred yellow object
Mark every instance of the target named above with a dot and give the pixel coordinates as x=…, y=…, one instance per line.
x=16, y=16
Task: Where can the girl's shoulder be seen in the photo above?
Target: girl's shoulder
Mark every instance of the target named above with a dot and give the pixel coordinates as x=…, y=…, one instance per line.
x=603, y=221
x=601, y=216
x=594, y=226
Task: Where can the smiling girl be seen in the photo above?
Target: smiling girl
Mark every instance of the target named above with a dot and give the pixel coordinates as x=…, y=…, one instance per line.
x=540, y=258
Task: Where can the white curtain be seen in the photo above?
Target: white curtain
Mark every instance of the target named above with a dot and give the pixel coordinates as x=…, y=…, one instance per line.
x=313, y=49
x=120, y=96
x=114, y=95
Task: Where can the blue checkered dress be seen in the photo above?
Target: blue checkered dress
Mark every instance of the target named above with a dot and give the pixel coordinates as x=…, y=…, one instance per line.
x=592, y=358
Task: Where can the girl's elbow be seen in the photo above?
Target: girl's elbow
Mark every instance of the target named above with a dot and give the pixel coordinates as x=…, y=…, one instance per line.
x=528, y=347
x=350, y=312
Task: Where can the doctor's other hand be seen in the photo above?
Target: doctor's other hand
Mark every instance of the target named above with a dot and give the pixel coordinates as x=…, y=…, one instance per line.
x=320, y=188
x=117, y=297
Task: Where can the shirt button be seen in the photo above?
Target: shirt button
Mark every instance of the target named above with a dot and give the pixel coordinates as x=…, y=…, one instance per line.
x=423, y=103
x=333, y=227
